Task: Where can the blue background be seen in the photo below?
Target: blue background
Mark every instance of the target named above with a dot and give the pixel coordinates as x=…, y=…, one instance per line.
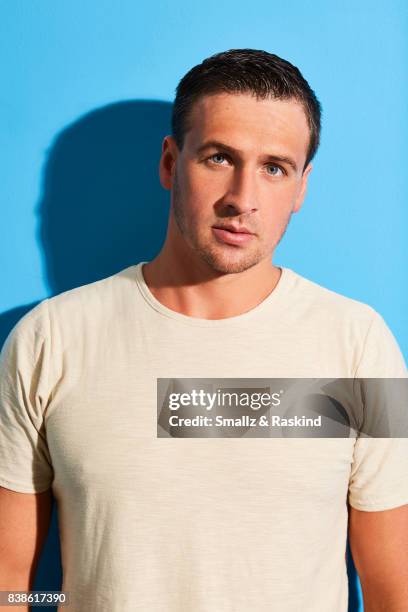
x=85, y=103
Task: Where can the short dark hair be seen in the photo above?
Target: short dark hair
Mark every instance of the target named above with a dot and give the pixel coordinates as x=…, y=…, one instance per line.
x=240, y=71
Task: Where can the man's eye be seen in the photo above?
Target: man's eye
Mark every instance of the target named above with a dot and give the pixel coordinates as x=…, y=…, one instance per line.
x=275, y=170
x=217, y=158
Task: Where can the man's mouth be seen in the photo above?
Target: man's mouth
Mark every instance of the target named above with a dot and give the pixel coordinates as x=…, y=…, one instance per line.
x=236, y=229
x=233, y=235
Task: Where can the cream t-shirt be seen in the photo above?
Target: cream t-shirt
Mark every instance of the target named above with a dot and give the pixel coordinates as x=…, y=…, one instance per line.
x=192, y=524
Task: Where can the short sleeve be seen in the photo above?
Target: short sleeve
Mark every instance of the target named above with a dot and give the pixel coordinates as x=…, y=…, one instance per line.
x=25, y=463
x=379, y=470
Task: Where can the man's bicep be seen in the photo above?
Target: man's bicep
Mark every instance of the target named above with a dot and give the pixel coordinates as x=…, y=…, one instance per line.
x=379, y=474
x=24, y=524
x=25, y=460
x=379, y=545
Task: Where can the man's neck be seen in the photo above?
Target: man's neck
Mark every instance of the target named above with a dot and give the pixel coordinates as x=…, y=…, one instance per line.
x=199, y=292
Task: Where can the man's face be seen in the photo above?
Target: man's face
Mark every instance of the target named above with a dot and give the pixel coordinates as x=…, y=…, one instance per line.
x=241, y=165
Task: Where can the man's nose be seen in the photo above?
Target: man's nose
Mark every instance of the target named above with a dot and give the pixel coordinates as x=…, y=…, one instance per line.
x=241, y=194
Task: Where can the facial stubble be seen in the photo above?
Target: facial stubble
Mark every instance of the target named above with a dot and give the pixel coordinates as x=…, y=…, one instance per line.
x=227, y=259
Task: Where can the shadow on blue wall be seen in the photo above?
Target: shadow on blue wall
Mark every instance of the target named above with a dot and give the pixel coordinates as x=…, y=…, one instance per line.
x=102, y=209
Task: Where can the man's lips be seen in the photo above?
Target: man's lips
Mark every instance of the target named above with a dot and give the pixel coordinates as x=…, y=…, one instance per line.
x=230, y=235
x=239, y=229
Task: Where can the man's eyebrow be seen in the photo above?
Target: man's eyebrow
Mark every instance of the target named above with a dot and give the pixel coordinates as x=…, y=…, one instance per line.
x=216, y=144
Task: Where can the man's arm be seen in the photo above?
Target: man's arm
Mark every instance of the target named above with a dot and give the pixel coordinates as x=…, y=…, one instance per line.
x=379, y=545
x=24, y=524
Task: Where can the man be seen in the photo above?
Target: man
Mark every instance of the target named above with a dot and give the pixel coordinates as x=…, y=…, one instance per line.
x=204, y=525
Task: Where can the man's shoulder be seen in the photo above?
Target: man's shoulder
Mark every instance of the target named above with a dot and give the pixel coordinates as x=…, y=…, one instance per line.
x=322, y=301
x=99, y=292
x=78, y=305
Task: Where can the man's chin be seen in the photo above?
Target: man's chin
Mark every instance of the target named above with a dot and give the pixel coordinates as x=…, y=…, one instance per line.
x=229, y=265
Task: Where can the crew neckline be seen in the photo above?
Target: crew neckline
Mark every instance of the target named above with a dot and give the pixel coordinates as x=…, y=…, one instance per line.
x=272, y=298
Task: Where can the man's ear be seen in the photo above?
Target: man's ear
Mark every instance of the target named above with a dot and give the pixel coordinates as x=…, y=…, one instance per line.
x=168, y=162
x=302, y=191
